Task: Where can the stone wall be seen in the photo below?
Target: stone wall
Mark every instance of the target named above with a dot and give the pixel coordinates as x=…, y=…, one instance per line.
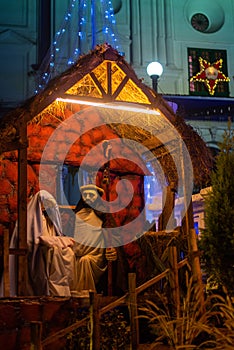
x=9, y=188
x=60, y=138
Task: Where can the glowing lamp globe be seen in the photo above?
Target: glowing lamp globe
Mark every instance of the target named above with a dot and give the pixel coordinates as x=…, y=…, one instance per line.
x=154, y=68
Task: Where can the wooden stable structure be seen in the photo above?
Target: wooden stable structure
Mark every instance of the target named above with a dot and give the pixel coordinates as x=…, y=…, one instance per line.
x=103, y=77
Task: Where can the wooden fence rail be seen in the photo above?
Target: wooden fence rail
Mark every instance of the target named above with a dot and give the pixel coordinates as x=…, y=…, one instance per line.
x=129, y=299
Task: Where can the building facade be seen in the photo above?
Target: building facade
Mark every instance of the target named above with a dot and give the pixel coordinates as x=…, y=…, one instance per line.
x=176, y=34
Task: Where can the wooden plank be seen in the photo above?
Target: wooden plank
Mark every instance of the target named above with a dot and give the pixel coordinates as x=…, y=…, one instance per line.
x=182, y=263
x=152, y=281
x=22, y=213
x=173, y=233
x=99, y=86
x=132, y=303
x=166, y=218
x=188, y=221
x=174, y=279
x=36, y=333
x=120, y=87
x=9, y=146
x=94, y=321
x=157, y=278
x=118, y=302
x=109, y=79
x=195, y=263
x=65, y=331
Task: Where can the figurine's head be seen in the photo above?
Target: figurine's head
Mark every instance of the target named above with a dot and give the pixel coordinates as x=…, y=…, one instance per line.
x=90, y=193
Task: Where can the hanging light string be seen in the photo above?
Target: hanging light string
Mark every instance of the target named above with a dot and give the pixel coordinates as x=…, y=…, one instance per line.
x=51, y=63
x=86, y=24
x=69, y=42
x=83, y=14
x=78, y=29
x=109, y=24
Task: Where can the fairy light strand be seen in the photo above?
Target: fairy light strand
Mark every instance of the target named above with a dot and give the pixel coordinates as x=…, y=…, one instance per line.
x=78, y=34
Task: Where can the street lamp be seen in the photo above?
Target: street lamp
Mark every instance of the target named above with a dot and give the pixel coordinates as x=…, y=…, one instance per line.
x=154, y=70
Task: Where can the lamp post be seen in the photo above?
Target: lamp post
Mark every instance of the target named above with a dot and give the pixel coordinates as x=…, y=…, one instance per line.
x=154, y=70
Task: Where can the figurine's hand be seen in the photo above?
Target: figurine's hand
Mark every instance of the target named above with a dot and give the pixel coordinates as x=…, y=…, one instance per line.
x=111, y=254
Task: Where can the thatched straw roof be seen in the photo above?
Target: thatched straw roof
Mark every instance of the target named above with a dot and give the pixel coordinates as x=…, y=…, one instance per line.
x=104, y=76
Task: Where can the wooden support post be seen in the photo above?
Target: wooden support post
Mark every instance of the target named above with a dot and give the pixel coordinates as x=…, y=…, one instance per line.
x=188, y=221
x=22, y=212
x=94, y=321
x=195, y=264
x=36, y=332
x=6, y=273
x=166, y=219
x=107, y=149
x=109, y=80
x=132, y=304
x=189, y=231
x=173, y=278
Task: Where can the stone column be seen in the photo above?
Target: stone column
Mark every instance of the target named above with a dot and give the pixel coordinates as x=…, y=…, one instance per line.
x=151, y=26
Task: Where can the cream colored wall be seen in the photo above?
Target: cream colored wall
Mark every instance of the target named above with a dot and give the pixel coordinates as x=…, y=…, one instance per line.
x=160, y=30
x=166, y=33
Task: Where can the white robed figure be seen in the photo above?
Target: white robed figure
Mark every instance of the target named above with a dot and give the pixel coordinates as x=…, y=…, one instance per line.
x=51, y=260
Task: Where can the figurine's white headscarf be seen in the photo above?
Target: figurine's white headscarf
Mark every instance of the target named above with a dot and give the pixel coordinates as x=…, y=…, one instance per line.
x=34, y=216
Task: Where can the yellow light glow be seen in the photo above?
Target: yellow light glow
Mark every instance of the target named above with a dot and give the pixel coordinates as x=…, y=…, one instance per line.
x=117, y=105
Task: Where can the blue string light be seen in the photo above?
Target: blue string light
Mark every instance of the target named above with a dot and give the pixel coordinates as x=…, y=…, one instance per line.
x=78, y=34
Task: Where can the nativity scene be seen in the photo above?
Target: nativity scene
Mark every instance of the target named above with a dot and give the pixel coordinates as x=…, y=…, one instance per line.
x=74, y=163
x=50, y=143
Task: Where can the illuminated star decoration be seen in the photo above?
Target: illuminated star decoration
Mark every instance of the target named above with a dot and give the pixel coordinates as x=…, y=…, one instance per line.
x=210, y=74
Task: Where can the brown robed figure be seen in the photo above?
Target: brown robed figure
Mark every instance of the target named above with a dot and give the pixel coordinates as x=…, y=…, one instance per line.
x=90, y=239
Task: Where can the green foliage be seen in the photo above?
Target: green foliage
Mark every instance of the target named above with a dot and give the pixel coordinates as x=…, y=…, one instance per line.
x=225, y=335
x=210, y=327
x=190, y=329
x=217, y=241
